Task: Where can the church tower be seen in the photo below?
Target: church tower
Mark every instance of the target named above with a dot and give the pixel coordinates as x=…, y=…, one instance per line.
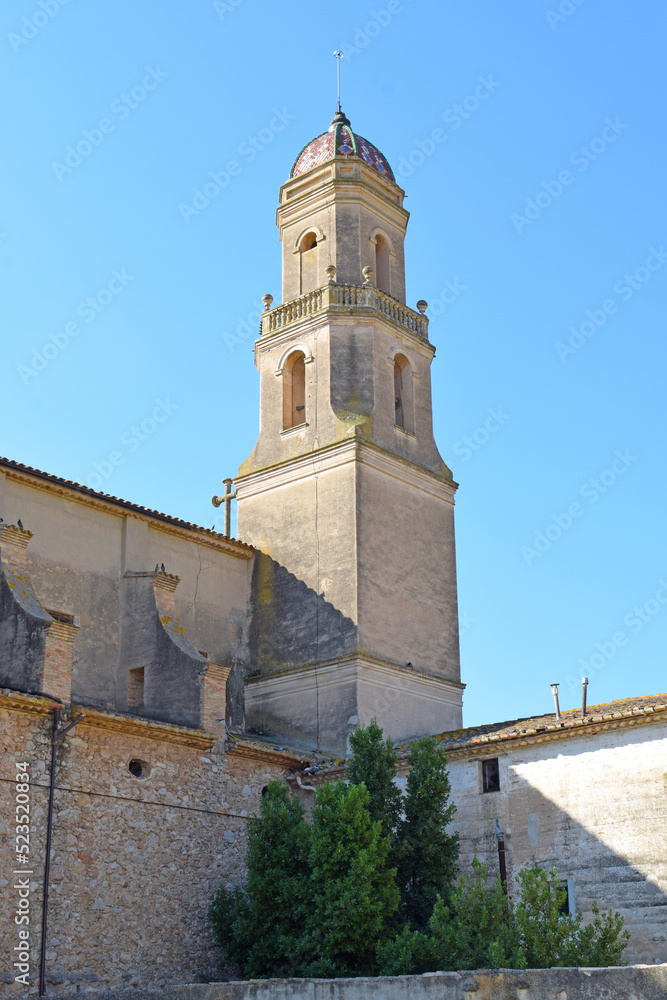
x=345, y=494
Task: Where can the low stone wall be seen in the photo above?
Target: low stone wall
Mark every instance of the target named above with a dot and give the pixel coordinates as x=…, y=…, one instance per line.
x=635, y=982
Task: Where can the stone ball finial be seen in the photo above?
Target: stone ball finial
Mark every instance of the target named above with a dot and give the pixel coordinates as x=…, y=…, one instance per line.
x=422, y=305
x=330, y=272
x=267, y=300
x=368, y=274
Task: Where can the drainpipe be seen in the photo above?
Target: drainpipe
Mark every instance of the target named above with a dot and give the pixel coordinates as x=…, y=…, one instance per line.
x=55, y=740
x=584, y=686
x=500, y=837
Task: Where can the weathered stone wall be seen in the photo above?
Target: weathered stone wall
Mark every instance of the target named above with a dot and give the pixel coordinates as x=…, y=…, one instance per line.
x=135, y=861
x=633, y=983
x=81, y=550
x=594, y=807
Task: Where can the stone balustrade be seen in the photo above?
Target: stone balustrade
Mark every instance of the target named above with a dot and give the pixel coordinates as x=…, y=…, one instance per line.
x=341, y=298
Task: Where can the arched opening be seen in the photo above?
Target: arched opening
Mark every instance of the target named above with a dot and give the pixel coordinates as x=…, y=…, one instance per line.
x=403, y=409
x=294, y=390
x=308, y=262
x=382, y=270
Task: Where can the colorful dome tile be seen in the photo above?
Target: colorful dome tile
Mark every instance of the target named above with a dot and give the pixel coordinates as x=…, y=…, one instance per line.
x=340, y=140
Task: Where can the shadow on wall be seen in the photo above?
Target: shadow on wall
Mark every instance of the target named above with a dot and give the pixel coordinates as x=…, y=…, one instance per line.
x=291, y=624
x=597, y=814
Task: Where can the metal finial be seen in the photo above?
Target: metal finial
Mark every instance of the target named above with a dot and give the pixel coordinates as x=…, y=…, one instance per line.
x=338, y=56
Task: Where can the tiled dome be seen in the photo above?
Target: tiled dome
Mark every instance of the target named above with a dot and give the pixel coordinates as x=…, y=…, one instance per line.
x=340, y=140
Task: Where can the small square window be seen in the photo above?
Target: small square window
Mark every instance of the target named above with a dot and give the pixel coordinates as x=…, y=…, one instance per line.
x=490, y=775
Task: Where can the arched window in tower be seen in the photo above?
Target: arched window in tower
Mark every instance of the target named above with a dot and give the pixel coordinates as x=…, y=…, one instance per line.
x=308, y=262
x=403, y=408
x=294, y=390
x=382, y=271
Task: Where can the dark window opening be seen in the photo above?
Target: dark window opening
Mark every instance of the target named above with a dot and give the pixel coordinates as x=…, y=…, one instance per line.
x=61, y=616
x=566, y=908
x=308, y=259
x=490, y=775
x=294, y=390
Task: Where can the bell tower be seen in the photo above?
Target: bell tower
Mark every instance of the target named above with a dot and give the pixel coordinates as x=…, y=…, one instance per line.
x=345, y=494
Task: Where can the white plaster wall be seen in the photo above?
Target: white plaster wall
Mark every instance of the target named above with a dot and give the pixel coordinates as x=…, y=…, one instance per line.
x=593, y=807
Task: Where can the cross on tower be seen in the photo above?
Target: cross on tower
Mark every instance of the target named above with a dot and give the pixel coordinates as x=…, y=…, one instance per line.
x=338, y=56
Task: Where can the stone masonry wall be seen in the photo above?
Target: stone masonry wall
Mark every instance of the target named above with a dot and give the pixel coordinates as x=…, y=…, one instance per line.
x=633, y=983
x=134, y=861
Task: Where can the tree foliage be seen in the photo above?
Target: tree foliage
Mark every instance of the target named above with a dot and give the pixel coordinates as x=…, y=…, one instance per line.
x=356, y=892
x=367, y=888
x=482, y=929
x=374, y=765
x=260, y=926
x=427, y=855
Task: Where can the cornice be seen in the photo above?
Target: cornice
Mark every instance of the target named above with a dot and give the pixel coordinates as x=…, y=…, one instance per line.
x=145, y=728
x=330, y=316
x=124, y=508
x=353, y=661
x=484, y=746
x=42, y=705
x=264, y=754
x=340, y=454
x=325, y=183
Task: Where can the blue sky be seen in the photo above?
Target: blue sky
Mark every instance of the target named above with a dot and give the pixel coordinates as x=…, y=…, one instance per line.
x=537, y=234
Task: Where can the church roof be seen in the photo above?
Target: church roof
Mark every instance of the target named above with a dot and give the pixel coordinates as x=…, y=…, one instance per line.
x=340, y=140
x=487, y=740
x=56, y=482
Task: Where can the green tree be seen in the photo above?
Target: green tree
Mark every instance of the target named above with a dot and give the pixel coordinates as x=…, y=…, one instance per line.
x=476, y=931
x=480, y=928
x=260, y=927
x=427, y=856
x=374, y=765
x=355, y=892
x=550, y=938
